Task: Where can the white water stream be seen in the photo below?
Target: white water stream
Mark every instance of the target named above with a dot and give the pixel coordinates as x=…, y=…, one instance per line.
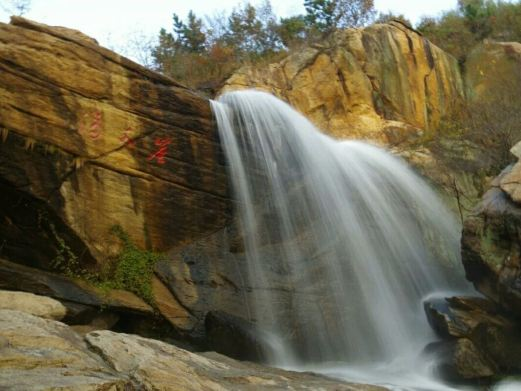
x=355, y=239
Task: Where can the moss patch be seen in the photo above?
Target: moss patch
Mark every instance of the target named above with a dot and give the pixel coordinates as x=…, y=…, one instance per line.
x=133, y=269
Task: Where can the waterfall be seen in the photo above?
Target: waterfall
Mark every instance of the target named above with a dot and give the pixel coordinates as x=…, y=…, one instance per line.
x=343, y=240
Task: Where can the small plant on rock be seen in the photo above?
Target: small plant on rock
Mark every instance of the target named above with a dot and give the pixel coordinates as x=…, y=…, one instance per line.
x=134, y=268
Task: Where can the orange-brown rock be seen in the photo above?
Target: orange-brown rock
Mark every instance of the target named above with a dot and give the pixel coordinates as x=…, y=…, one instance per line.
x=385, y=82
x=491, y=69
x=90, y=140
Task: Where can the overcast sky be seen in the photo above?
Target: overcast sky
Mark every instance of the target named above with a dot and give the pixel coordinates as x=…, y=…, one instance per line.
x=112, y=22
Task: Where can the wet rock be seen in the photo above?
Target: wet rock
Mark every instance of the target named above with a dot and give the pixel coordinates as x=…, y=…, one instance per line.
x=469, y=361
x=41, y=306
x=483, y=340
x=234, y=337
x=502, y=345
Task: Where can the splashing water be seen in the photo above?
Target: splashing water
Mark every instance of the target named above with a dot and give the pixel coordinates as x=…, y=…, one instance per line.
x=343, y=241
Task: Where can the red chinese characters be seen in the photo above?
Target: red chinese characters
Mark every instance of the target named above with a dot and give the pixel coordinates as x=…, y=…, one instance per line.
x=92, y=124
x=125, y=138
x=160, y=154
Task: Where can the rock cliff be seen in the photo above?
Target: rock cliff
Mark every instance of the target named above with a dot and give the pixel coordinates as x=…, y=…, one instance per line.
x=91, y=140
x=385, y=83
x=491, y=249
x=491, y=69
x=483, y=338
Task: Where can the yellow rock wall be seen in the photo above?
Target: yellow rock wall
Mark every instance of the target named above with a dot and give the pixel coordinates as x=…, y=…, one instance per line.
x=371, y=83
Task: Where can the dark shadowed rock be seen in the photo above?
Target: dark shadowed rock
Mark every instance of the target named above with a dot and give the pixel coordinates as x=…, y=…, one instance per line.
x=79, y=294
x=482, y=340
x=470, y=362
x=233, y=336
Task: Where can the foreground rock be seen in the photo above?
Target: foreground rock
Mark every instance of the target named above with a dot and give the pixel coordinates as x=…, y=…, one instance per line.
x=41, y=306
x=385, y=83
x=90, y=140
x=23, y=278
x=482, y=340
x=79, y=303
x=40, y=354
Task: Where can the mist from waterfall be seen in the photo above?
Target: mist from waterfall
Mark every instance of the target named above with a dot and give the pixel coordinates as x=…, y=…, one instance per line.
x=356, y=237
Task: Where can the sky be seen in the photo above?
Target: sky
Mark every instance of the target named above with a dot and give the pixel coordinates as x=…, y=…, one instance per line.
x=116, y=22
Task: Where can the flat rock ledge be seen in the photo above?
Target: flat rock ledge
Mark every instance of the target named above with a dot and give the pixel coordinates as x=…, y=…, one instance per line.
x=30, y=303
x=44, y=354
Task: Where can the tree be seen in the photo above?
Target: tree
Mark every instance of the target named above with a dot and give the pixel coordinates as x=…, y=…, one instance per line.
x=478, y=16
x=328, y=15
x=252, y=31
x=450, y=33
x=292, y=30
x=190, y=35
x=320, y=14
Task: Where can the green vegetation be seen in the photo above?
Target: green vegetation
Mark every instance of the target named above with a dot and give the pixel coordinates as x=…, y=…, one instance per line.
x=65, y=261
x=458, y=31
x=478, y=135
x=203, y=54
x=133, y=270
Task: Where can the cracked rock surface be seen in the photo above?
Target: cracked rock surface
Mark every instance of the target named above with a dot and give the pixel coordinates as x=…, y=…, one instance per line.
x=96, y=140
x=43, y=354
x=385, y=83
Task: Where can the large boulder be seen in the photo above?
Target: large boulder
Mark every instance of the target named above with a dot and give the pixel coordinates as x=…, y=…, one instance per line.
x=385, y=83
x=491, y=251
x=30, y=303
x=481, y=339
x=42, y=354
x=90, y=140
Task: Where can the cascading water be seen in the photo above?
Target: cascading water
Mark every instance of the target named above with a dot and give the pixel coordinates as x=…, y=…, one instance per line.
x=355, y=240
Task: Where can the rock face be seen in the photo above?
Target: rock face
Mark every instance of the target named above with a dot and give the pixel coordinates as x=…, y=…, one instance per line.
x=385, y=83
x=40, y=354
x=23, y=278
x=491, y=255
x=482, y=339
x=90, y=140
x=491, y=251
x=490, y=69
